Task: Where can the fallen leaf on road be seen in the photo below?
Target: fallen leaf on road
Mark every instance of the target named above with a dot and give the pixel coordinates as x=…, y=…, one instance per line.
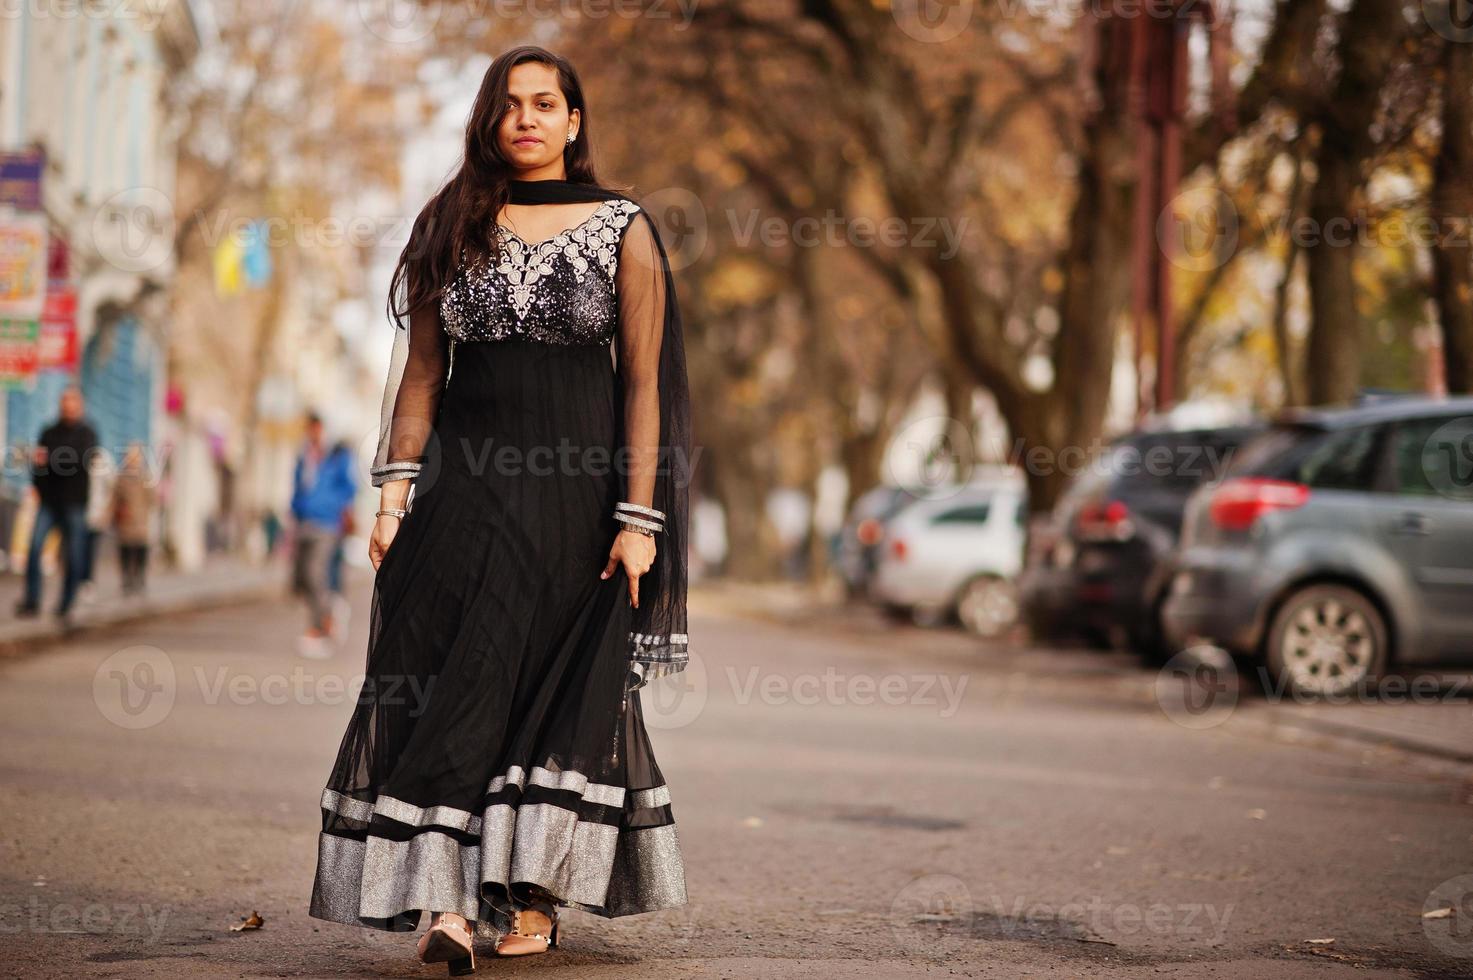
x=1320, y=942
x=1446, y=913
x=252, y=921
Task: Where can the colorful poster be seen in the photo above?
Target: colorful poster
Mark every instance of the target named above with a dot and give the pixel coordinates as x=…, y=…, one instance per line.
x=58, y=337
x=19, y=352
x=20, y=179
x=23, y=260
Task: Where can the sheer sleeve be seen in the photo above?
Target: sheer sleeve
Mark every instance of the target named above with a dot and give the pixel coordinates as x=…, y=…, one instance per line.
x=418, y=368
x=640, y=288
x=655, y=436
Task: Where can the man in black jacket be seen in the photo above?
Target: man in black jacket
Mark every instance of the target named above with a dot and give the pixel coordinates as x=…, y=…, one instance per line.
x=59, y=470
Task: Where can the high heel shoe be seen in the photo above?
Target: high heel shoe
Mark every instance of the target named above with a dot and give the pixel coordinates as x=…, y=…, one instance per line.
x=519, y=943
x=442, y=947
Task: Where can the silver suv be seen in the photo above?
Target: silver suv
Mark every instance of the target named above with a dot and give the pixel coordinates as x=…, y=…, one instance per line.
x=1340, y=542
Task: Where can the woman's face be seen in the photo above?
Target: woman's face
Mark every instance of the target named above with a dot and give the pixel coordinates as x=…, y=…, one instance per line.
x=534, y=131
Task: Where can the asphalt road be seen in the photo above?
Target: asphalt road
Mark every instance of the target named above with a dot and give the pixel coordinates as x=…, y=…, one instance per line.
x=854, y=799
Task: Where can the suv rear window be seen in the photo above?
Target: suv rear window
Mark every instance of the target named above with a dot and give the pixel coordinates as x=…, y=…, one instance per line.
x=1335, y=459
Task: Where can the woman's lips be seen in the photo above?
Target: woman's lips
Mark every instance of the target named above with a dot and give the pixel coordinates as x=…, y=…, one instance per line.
x=527, y=141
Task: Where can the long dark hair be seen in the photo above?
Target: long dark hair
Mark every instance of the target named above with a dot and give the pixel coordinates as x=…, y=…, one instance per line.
x=460, y=215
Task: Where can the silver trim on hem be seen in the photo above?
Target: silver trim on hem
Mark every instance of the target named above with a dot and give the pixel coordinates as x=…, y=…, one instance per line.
x=596, y=867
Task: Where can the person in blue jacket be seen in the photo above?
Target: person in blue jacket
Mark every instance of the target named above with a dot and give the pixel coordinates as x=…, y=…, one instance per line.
x=323, y=488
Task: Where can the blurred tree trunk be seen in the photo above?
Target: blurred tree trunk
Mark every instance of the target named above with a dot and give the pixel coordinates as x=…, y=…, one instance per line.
x=1452, y=217
x=1371, y=33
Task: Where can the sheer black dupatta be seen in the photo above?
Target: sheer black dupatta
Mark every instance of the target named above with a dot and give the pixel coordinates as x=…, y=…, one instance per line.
x=658, y=643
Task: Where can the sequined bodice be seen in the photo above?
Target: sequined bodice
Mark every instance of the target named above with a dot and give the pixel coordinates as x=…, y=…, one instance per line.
x=558, y=291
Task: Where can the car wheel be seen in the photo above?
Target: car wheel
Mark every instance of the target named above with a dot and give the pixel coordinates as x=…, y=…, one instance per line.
x=988, y=605
x=1326, y=640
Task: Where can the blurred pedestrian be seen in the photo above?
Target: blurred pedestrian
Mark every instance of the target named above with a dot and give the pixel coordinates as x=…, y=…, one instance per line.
x=323, y=490
x=131, y=507
x=341, y=608
x=59, y=473
x=99, y=518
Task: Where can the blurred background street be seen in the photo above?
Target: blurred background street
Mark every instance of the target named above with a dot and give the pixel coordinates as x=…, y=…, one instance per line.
x=978, y=809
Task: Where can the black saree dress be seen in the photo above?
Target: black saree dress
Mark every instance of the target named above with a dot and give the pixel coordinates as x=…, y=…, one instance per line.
x=497, y=746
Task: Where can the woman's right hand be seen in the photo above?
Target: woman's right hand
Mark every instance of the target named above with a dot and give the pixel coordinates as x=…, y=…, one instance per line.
x=384, y=529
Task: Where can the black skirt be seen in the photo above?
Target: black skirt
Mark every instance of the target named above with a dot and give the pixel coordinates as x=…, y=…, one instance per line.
x=494, y=746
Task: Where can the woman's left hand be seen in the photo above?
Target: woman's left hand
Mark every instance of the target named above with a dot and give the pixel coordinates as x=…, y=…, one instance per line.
x=637, y=553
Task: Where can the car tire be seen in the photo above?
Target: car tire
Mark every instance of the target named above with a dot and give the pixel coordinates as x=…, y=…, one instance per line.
x=1326, y=640
x=988, y=606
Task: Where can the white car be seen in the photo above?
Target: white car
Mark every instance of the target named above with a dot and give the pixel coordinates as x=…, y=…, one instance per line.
x=955, y=553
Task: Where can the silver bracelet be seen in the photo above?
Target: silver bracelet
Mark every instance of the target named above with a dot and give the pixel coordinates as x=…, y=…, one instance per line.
x=643, y=527
x=625, y=505
x=392, y=512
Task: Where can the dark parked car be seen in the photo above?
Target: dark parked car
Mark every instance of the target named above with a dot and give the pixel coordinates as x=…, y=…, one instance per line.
x=1105, y=572
x=1341, y=542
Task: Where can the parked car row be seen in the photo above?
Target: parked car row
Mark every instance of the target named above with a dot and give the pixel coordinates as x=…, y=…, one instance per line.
x=1331, y=544
x=1339, y=543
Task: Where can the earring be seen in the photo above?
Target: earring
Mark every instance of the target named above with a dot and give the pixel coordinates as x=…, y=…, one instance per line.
x=571, y=137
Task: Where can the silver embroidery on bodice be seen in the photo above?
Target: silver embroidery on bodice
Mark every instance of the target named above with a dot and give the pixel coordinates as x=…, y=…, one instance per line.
x=558, y=291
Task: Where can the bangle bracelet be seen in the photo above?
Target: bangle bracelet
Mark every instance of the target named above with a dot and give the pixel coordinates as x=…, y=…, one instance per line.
x=625, y=505
x=391, y=511
x=628, y=521
x=639, y=530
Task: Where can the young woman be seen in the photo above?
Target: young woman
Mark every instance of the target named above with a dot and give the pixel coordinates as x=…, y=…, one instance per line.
x=496, y=767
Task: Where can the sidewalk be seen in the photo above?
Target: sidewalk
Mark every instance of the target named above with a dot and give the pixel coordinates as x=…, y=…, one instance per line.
x=222, y=580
